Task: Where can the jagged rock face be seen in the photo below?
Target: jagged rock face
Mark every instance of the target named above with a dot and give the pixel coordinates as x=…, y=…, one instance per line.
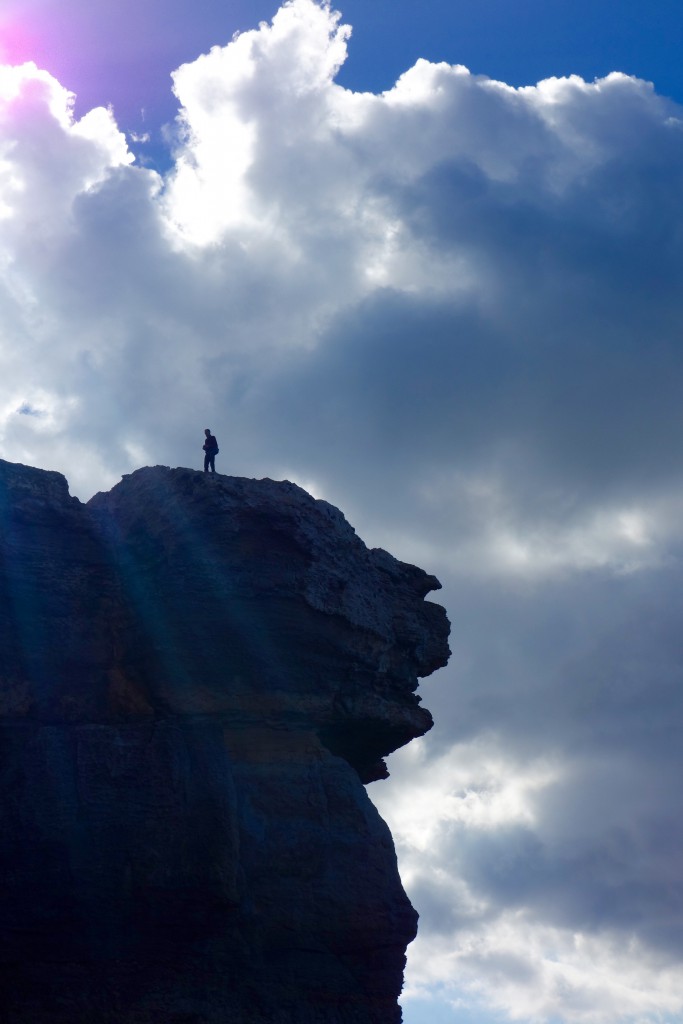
x=197, y=674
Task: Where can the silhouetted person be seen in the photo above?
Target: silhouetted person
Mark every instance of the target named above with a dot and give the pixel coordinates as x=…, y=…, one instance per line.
x=210, y=451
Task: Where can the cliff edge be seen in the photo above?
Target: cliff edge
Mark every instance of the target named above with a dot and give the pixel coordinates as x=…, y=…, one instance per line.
x=197, y=675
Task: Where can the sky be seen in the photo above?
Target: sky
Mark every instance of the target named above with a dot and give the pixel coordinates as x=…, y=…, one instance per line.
x=429, y=269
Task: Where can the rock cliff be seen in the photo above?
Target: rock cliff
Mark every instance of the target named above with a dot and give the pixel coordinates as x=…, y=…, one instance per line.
x=197, y=675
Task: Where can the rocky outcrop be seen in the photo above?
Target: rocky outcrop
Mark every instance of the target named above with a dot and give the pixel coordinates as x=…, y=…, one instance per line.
x=197, y=675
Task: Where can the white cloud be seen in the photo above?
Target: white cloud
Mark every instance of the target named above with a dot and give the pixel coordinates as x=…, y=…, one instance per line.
x=473, y=785
x=475, y=846
x=534, y=974
x=265, y=95
x=456, y=308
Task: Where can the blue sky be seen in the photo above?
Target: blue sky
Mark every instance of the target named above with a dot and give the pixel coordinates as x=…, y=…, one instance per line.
x=450, y=303
x=519, y=43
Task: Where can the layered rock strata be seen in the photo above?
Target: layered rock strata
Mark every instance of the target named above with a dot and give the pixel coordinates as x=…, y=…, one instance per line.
x=197, y=675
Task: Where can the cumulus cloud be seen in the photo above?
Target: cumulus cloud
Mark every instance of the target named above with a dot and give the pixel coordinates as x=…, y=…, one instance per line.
x=454, y=310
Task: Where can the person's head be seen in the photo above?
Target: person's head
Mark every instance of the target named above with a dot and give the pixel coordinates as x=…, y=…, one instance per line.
x=207, y=432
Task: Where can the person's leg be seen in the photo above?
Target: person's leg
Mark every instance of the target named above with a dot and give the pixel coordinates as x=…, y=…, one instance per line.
x=213, y=464
x=207, y=460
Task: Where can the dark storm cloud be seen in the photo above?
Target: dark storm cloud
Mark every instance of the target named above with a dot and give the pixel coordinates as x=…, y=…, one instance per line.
x=555, y=766
x=561, y=364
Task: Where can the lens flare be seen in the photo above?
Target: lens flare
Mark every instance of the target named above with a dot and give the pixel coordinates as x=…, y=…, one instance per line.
x=13, y=41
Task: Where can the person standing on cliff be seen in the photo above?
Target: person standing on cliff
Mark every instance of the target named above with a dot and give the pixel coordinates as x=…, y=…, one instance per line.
x=210, y=447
